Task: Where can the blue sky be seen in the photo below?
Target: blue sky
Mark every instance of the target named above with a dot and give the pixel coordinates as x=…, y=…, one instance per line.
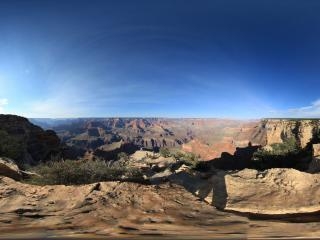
x=168, y=58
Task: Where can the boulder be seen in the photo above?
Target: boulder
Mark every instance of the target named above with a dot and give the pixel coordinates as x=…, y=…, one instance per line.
x=9, y=169
x=271, y=192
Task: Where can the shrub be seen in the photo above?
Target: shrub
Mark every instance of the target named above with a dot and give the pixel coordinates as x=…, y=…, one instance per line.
x=286, y=154
x=152, y=155
x=122, y=156
x=122, y=160
x=71, y=172
x=11, y=147
x=165, y=152
x=189, y=159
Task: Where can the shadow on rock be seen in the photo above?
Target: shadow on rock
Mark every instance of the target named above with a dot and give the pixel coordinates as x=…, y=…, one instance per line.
x=210, y=188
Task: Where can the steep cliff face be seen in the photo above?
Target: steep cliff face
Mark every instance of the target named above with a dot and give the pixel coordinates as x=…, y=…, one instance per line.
x=24, y=142
x=277, y=130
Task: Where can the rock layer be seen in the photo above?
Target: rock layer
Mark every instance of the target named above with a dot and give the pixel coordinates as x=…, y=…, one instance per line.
x=277, y=130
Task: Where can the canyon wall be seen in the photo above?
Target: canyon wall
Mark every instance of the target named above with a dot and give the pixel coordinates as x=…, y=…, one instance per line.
x=25, y=142
x=303, y=130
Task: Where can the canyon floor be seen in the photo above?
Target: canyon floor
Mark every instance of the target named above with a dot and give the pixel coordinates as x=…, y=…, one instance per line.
x=129, y=211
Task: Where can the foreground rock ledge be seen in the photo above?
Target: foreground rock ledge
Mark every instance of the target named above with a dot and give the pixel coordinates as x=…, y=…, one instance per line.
x=272, y=192
x=111, y=209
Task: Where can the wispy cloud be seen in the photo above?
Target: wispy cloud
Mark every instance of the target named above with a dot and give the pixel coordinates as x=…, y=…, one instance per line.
x=3, y=103
x=310, y=111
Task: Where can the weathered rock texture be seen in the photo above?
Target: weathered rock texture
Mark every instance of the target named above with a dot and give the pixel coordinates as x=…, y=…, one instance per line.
x=272, y=192
x=277, y=130
x=129, y=210
x=111, y=210
x=30, y=143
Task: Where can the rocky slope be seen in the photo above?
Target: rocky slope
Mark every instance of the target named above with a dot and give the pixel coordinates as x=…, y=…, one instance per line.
x=25, y=142
x=181, y=208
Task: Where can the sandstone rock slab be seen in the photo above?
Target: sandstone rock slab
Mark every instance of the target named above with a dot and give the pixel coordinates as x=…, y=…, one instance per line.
x=9, y=169
x=273, y=191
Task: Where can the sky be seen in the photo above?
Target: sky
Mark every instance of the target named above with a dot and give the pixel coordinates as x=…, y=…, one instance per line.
x=168, y=58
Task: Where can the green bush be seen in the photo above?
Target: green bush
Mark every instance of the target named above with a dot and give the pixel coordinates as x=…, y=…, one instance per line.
x=189, y=159
x=165, y=152
x=71, y=172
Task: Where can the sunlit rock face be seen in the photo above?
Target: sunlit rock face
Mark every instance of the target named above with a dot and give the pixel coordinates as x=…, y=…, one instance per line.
x=271, y=192
x=277, y=130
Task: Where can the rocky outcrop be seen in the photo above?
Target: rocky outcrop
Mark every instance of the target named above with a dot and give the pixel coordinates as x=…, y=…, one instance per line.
x=314, y=165
x=272, y=192
x=277, y=130
x=9, y=169
x=25, y=142
x=146, y=159
x=111, y=151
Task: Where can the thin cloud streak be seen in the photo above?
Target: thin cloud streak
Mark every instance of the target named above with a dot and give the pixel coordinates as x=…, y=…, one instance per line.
x=310, y=111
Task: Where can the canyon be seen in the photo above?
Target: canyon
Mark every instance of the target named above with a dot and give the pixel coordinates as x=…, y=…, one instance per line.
x=208, y=139
x=174, y=200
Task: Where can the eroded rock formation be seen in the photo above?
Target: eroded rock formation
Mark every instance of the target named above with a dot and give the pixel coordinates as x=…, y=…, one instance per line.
x=277, y=130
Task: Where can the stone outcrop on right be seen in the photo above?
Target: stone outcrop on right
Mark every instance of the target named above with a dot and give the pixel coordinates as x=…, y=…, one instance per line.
x=314, y=165
x=277, y=130
x=276, y=191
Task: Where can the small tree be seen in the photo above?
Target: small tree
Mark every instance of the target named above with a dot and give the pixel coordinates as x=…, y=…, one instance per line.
x=189, y=159
x=122, y=159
